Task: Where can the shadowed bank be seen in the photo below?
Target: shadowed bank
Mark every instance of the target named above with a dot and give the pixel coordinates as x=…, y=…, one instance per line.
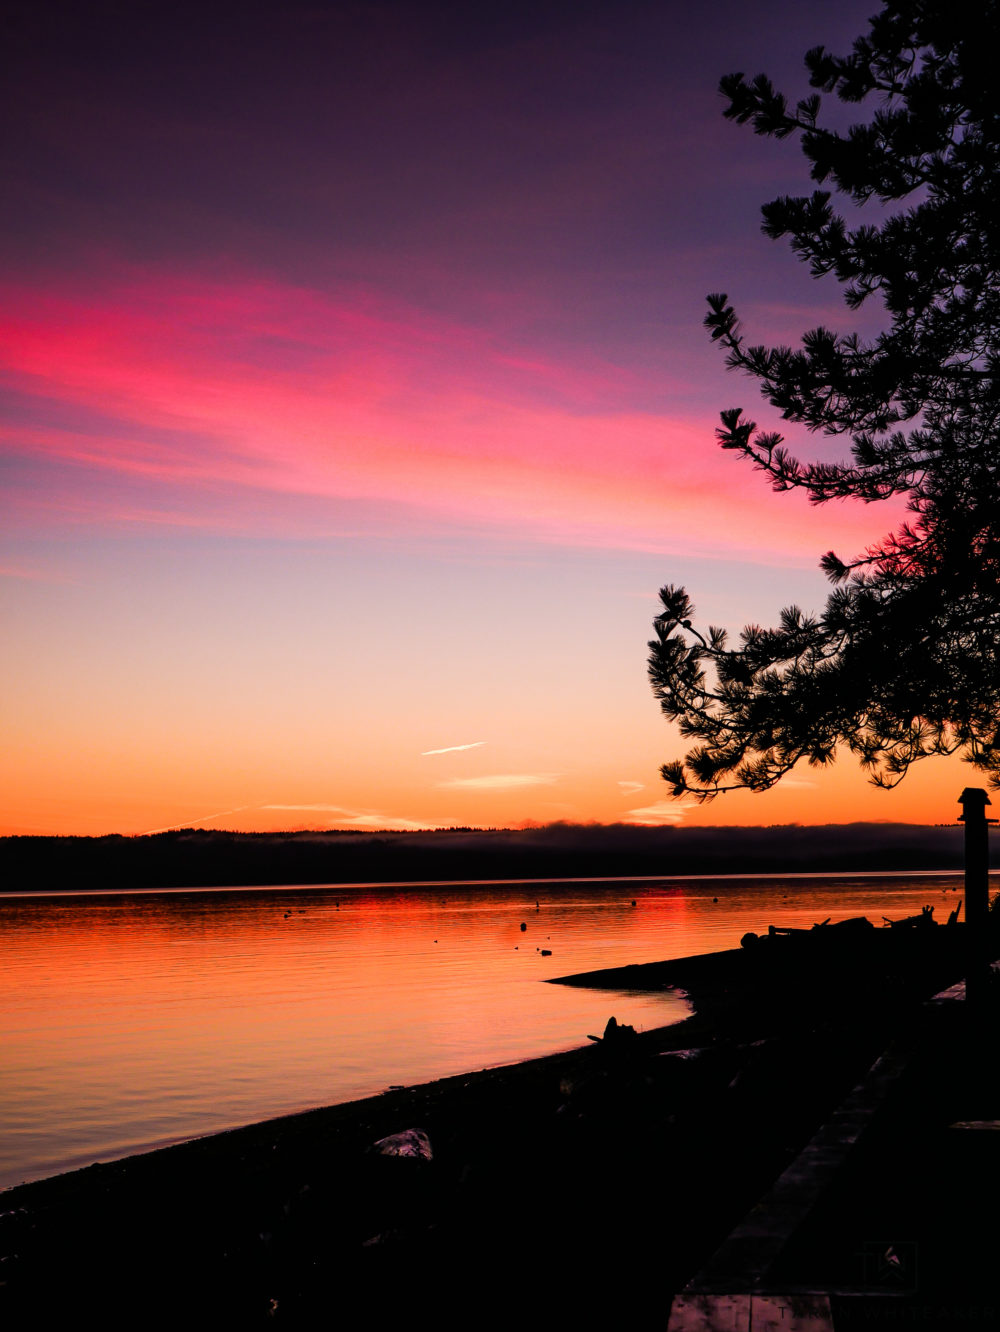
x=189, y=858
x=595, y=1185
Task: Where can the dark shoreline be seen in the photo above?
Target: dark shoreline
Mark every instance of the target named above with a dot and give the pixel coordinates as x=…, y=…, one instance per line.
x=540, y=1173
x=230, y=1223
x=586, y=1187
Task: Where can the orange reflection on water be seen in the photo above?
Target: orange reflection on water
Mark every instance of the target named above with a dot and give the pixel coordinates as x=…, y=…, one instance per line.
x=136, y=1019
x=139, y=1018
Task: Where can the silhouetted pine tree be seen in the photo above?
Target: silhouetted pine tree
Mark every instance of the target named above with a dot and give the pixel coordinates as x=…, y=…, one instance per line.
x=904, y=660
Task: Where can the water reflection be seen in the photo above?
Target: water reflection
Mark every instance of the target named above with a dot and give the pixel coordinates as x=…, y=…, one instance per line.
x=135, y=1019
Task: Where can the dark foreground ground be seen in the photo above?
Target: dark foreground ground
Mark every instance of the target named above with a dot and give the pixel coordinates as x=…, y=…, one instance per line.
x=580, y=1190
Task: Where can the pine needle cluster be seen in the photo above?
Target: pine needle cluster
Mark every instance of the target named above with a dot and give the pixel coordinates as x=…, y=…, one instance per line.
x=904, y=661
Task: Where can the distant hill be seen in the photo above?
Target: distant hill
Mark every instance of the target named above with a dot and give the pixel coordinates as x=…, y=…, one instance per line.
x=197, y=858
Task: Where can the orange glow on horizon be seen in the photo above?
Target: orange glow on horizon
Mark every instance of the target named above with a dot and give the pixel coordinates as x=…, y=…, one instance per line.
x=838, y=795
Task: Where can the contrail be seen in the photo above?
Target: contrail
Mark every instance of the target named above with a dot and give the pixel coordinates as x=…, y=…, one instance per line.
x=452, y=749
x=190, y=823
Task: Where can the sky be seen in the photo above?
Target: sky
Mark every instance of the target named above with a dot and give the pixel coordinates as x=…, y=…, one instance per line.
x=356, y=404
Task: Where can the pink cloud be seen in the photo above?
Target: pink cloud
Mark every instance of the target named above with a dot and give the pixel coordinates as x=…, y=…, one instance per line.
x=33, y=575
x=256, y=387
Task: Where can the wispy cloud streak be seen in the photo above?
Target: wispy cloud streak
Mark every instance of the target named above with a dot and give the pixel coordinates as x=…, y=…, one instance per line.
x=193, y=823
x=451, y=749
x=354, y=818
x=652, y=816
x=505, y=781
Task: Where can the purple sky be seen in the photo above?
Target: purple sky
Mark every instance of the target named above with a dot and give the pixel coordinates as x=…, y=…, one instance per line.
x=357, y=404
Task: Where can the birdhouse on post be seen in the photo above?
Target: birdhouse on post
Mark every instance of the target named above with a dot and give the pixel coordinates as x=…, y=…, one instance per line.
x=977, y=892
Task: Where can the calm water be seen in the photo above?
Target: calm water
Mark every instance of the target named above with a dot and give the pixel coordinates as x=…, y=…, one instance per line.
x=137, y=1019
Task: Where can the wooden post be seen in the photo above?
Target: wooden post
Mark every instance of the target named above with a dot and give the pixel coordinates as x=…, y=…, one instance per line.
x=977, y=891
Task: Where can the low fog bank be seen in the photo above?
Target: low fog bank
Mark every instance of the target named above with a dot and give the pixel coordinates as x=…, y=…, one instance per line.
x=196, y=858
